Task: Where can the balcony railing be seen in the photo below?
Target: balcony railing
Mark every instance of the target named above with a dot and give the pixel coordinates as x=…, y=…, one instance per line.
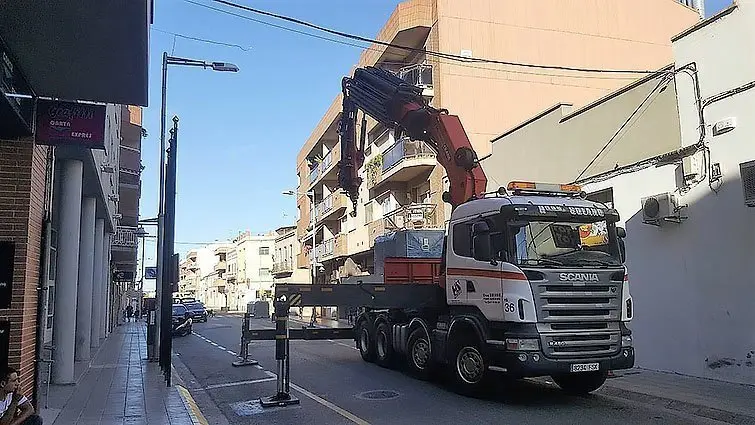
x=405, y=149
x=412, y=217
x=420, y=75
x=220, y=266
x=332, y=202
x=284, y=266
x=314, y=173
x=125, y=237
x=323, y=167
x=325, y=249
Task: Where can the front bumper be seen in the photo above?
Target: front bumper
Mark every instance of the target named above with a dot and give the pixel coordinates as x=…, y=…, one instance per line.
x=534, y=363
x=199, y=316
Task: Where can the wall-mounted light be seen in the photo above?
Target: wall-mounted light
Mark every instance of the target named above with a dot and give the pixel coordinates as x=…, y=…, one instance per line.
x=724, y=126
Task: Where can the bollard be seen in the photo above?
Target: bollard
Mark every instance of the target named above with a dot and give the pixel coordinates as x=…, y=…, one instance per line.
x=283, y=397
x=244, y=352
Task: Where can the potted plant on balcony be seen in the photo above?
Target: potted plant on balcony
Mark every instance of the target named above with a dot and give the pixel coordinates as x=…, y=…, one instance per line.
x=374, y=169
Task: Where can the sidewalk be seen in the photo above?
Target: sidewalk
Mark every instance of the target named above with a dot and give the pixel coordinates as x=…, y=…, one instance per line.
x=120, y=387
x=722, y=401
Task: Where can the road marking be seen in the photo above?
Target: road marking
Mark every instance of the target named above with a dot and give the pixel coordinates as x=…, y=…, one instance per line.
x=235, y=384
x=345, y=413
x=341, y=343
x=221, y=347
x=272, y=376
x=197, y=418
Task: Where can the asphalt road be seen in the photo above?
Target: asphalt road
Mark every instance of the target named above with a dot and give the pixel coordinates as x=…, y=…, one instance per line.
x=335, y=386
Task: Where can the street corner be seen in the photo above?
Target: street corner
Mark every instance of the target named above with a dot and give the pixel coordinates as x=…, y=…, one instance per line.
x=197, y=418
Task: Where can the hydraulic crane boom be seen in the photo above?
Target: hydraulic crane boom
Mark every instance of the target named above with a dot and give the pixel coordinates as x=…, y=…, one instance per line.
x=400, y=105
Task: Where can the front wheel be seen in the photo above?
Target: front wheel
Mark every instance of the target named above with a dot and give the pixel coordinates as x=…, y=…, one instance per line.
x=581, y=383
x=469, y=367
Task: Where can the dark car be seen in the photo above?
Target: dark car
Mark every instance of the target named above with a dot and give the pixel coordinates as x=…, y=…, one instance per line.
x=197, y=311
x=181, y=320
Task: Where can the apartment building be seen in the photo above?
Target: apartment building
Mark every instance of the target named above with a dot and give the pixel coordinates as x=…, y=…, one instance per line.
x=403, y=184
x=286, y=267
x=255, y=264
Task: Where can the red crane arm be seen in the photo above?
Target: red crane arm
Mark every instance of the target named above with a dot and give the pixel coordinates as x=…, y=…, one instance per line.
x=397, y=104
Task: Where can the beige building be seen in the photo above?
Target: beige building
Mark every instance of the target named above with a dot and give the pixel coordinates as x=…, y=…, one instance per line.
x=286, y=250
x=403, y=185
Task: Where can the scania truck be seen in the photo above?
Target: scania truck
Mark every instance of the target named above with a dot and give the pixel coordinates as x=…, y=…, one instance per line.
x=532, y=279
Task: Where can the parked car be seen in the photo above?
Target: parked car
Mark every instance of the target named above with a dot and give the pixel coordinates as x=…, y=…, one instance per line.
x=181, y=320
x=197, y=310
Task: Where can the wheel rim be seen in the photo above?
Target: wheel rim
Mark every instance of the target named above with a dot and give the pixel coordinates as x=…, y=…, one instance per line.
x=469, y=365
x=364, y=340
x=420, y=351
x=381, y=345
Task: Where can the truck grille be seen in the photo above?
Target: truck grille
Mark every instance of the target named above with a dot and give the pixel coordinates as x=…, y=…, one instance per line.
x=578, y=319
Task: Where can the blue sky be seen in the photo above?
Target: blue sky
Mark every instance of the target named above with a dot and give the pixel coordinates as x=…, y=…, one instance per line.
x=240, y=132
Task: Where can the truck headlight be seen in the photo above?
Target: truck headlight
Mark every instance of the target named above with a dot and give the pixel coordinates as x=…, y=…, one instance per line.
x=626, y=341
x=515, y=344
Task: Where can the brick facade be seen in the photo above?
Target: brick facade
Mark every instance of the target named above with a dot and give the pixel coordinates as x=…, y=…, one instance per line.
x=22, y=191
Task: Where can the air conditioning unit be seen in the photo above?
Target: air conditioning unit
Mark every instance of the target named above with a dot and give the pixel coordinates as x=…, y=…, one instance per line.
x=661, y=208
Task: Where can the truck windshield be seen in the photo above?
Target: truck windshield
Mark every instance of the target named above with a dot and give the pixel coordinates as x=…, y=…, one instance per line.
x=570, y=244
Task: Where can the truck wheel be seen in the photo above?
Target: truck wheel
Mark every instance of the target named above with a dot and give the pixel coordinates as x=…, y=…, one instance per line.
x=384, y=345
x=581, y=383
x=365, y=342
x=418, y=354
x=469, y=367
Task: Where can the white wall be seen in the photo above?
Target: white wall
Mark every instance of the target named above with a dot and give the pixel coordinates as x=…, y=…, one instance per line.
x=693, y=283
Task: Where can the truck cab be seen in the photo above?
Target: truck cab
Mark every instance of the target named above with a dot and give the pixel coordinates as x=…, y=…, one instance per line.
x=534, y=285
x=538, y=275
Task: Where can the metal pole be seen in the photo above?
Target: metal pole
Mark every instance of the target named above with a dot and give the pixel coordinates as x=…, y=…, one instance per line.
x=161, y=207
x=168, y=247
x=141, y=282
x=314, y=239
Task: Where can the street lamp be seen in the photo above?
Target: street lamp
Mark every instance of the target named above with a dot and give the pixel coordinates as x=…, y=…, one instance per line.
x=172, y=60
x=311, y=195
x=141, y=233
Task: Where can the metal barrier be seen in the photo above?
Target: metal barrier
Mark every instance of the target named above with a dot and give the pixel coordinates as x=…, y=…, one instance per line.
x=245, y=340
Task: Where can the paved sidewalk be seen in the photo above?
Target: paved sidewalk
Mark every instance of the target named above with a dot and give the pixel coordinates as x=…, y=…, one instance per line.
x=121, y=387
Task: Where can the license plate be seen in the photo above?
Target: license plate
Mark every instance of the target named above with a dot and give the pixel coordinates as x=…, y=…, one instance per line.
x=585, y=367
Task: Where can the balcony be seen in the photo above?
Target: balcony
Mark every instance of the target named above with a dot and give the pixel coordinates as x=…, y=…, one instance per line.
x=222, y=250
x=302, y=260
x=326, y=249
x=331, y=207
x=283, y=267
x=326, y=169
x=220, y=266
x=420, y=75
x=409, y=217
x=125, y=239
x=412, y=217
x=402, y=162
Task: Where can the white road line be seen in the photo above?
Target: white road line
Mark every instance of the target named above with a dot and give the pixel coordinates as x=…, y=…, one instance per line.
x=341, y=343
x=272, y=376
x=345, y=413
x=221, y=347
x=235, y=384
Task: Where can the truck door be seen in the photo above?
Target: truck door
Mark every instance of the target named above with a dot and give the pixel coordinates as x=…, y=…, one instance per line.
x=469, y=280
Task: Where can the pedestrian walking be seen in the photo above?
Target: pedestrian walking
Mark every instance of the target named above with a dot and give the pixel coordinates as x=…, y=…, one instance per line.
x=129, y=312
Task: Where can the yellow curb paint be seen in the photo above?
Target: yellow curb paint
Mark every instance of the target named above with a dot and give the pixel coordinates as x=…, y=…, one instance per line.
x=196, y=414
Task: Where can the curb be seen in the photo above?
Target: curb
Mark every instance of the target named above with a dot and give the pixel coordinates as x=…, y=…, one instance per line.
x=693, y=409
x=197, y=418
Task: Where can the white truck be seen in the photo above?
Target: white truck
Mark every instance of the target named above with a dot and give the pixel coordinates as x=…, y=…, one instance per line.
x=531, y=281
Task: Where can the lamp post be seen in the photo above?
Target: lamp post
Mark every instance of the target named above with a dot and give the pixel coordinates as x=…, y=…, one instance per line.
x=311, y=195
x=142, y=234
x=172, y=60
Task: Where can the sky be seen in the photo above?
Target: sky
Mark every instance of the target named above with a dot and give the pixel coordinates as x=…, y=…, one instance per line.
x=240, y=133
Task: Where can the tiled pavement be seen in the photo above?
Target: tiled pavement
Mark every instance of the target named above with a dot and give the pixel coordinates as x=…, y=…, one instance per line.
x=120, y=387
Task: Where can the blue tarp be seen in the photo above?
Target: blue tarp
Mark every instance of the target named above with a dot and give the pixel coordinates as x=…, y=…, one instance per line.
x=408, y=244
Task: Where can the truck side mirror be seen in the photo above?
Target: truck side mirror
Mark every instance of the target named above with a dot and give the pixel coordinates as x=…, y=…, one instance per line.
x=622, y=233
x=481, y=247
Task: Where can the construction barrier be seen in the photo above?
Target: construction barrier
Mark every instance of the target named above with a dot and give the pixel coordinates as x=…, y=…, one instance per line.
x=246, y=327
x=283, y=397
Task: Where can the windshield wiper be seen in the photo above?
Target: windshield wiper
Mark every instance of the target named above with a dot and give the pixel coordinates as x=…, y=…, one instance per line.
x=541, y=261
x=595, y=262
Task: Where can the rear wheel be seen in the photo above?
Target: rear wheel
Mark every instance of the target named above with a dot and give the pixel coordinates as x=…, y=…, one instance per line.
x=384, y=354
x=581, y=383
x=365, y=342
x=469, y=367
x=418, y=359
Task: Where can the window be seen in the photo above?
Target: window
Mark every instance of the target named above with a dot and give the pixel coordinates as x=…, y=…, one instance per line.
x=264, y=250
x=462, y=239
x=604, y=196
x=264, y=273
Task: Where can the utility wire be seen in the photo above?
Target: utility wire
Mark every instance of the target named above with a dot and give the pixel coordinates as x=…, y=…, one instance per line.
x=665, y=79
x=466, y=64
x=203, y=40
x=427, y=52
